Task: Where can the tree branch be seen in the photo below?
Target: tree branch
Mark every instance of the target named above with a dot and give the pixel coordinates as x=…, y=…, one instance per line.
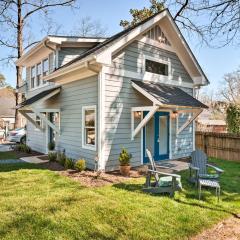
x=6, y=44
x=181, y=9
x=41, y=7
x=31, y=44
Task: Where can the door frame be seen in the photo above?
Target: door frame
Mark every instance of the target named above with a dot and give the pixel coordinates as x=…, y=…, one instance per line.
x=143, y=136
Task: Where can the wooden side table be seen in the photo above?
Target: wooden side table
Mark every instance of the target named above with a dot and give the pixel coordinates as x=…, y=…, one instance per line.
x=208, y=183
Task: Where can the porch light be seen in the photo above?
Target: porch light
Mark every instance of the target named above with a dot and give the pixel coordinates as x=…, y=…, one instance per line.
x=174, y=114
x=138, y=114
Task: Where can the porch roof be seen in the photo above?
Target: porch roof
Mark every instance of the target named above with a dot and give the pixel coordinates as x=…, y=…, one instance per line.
x=40, y=96
x=167, y=95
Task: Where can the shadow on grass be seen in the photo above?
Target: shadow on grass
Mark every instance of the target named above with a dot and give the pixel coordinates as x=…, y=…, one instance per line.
x=8, y=167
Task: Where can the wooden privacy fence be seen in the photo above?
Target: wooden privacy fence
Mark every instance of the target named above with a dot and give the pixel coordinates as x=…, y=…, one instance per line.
x=220, y=145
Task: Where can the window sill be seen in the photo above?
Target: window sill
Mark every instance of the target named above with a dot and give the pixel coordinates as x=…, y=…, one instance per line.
x=36, y=88
x=89, y=147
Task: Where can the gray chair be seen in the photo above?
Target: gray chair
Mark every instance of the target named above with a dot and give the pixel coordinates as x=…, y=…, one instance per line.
x=198, y=168
x=162, y=182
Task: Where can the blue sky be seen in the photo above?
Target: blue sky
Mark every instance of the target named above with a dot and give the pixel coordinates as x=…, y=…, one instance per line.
x=215, y=62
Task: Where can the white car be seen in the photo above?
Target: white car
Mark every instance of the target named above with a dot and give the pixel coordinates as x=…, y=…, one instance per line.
x=18, y=135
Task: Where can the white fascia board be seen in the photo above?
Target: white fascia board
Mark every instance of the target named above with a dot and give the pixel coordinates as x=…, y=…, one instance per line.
x=60, y=40
x=146, y=94
x=204, y=80
x=38, y=46
x=75, y=66
x=105, y=57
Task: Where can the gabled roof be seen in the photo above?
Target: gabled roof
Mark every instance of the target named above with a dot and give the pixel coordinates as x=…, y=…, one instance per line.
x=124, y=37
x=58, y=40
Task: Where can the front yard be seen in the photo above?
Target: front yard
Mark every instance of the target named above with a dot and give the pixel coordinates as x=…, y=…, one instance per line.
x=39, y=204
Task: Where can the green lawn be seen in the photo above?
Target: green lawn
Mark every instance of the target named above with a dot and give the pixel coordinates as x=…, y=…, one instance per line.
x=40, y=204
x=7, y=155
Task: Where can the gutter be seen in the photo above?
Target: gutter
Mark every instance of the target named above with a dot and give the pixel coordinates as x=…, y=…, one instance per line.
x=86, y=63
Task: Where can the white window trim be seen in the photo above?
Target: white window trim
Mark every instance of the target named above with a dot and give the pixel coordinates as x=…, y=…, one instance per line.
x=41, y=123
x=33, y=66
x=154, y=75
x=41, y=79
x=40, y=82
x=88, y=146
x=48, y=58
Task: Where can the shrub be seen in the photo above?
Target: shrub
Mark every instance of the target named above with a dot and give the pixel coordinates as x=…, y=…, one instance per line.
x=124, y=158
x=233, y=118
x=69, y=163
x=61, y=158
x=51, y=146
x=80, y=165
x=52, y=156
x=23, y=148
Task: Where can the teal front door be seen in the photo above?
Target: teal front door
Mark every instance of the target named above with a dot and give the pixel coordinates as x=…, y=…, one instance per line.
x=156, y=136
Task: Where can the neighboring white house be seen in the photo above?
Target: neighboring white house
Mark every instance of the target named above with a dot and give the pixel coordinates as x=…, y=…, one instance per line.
x=93, y=96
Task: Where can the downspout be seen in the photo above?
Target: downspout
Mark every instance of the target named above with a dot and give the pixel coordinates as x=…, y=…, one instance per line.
x=45, y=43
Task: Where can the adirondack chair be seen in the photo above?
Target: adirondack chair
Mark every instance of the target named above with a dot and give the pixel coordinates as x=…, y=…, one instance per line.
x=199, y=166
x=162, y=182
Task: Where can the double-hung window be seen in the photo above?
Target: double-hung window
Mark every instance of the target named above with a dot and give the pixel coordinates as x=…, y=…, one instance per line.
x=33, y=76
x=39, y=73
x=89, y=127
x=45, y=67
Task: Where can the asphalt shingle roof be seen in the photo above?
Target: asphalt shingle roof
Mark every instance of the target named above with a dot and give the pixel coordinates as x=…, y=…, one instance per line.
x=169, y=95
x=37, y=97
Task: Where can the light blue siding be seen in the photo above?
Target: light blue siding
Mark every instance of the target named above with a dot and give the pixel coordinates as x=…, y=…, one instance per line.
x=67, y=54
x=120, y=97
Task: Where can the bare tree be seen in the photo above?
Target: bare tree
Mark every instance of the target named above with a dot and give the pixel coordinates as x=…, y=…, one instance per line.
x=216, y=22
x=16, y=17
x=87, y=27
x=231, y=87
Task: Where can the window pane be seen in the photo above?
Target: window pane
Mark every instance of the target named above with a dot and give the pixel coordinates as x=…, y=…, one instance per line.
x=90, y=118
x=33, y=74
x=90, y=136
x=39, y=69
x=156, y=67
x=45, y=67
x=38, y=73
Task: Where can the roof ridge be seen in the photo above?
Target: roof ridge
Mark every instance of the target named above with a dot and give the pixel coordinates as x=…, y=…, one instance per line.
x=112, y=38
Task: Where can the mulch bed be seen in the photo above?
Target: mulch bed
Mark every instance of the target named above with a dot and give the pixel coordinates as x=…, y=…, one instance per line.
x=90, y=178
x=225, y=230
x=98, y=179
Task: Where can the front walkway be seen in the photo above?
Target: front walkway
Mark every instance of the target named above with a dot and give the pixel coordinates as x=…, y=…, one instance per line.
x=33, y=159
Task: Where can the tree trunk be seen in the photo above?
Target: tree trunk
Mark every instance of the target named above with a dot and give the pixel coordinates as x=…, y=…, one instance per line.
x=19, y=68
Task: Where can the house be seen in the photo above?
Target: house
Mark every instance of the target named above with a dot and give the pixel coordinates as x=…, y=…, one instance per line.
x=93, y=96
x=211, y=125
x=213, y=119
x=7, y=107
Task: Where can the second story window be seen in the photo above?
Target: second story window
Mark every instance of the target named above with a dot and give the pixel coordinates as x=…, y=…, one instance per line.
x=45, y=67
x=33, y=76
x=156, y=67
x=39, y=73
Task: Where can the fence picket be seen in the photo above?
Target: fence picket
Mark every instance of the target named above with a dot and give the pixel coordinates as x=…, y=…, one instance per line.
x=220, y=145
